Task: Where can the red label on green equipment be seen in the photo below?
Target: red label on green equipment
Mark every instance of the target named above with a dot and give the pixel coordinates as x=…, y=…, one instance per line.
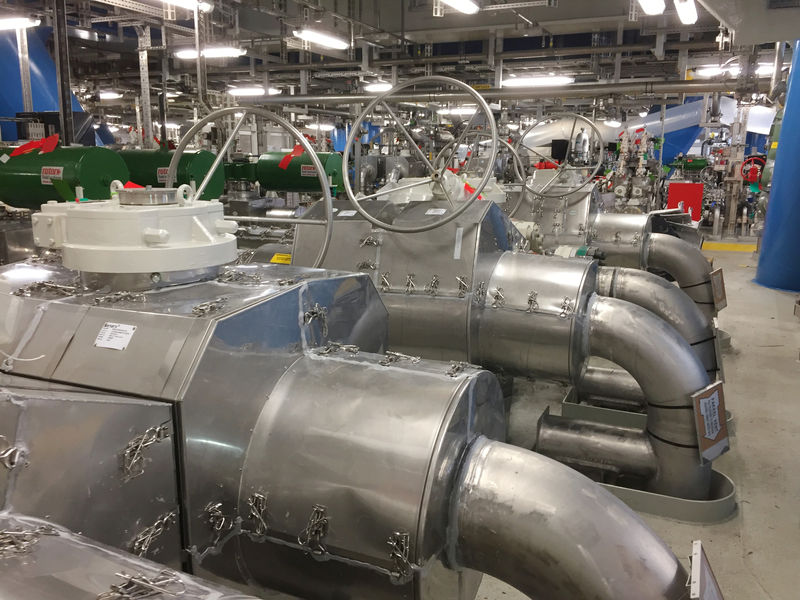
x=50, y=173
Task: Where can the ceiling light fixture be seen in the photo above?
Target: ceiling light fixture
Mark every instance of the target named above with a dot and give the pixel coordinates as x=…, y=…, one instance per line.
x=539, y=81
x=378, y=87
x=109, y=95
x=211, y=52
x=205, y=7
x=653, y=7
x=247, y=91
x=687, y=11
x=321, y=39
x=468, y=7
x=18, y=23
x=273, y=91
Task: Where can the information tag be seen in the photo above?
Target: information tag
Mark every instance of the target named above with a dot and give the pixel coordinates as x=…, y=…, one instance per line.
x=703, y=583
x=347, y=213
x=436, y=211
x=161, y=174
x=711, y=420
x=718, y=289
x=115, y=336
x=50, y=173
x=281, y=259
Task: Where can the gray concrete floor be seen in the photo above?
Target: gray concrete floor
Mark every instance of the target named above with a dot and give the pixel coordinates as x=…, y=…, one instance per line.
x=755, y=554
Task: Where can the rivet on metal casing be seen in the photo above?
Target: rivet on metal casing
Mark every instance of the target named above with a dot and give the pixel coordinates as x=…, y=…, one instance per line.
x=14, y=542
x=140, y=587
x=566, y=307
x=385, y=285
x=393, y=357
x=410, y=285
x=369, y=241
x=400, y=545
x=366, y=264
x=234, y=276
x=257, y=503
x=333, y=347
x=206, y=308
x=498, y=299
x=433, y=287
x=320, y=313
x=463, y=285
x=46, y=287
x=10, y=455
x=121, y=296
x=533, y=303
x=133, y=456
x=142, y=542
x=456, y=368
x=635, y=239
x=311, y=537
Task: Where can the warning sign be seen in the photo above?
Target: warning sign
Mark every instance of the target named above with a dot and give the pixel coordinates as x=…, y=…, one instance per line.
x=161, y=174
x=711, y=419
x=308, y=171
x=48, y=174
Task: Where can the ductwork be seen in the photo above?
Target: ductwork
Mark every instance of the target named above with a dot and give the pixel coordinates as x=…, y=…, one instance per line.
x=500, y=503
x=665, y=367
x=686, y=264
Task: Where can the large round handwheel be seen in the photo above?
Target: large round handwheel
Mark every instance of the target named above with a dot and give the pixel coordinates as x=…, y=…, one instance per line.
x=586, y=179
x=436, y=175
x=519, y=168
x=280, y=121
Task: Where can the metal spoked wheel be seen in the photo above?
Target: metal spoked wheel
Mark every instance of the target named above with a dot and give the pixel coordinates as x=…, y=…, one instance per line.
x=519, y=167
x=435, y=174
x=327, y=222
x=589, y=170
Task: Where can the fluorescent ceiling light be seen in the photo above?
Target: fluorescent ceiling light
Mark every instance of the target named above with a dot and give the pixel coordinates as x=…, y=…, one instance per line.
x=465, y=6
x=320, y=126
x=321, y=39
x=190, y=4
x=461, y=111
x=653, y=7
x=273, y=91
x=378, y=86
x=18, y=23
x=113, y=116
x=168, y=125
x=211, y=52
x=539, y=81
x=247, y=91
x=687, y=11
x=614, y=123
x=109, y=95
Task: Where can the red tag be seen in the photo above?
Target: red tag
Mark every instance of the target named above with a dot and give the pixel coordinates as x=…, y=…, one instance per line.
x=471, y=190
x=132, y=186
x=44, y=146
x=640, y=130
x=286, y=160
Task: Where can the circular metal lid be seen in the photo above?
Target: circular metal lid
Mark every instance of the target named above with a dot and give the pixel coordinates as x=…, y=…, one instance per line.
x=148, y=196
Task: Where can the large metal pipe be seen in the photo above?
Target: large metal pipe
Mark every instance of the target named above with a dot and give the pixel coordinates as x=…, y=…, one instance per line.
x=582, y=90
x=669, y=373
x=686, y=264
x=669, y=302
x=565, y=540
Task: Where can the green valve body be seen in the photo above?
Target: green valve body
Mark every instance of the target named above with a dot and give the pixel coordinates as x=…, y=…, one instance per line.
x=149, y=167
x=299, y=174
x=30, y=180
x=690, y=164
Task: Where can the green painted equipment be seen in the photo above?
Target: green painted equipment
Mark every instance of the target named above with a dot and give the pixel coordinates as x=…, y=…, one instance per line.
x=690, y=163
x=30, y=180
x=149, y=167
x=287, y=172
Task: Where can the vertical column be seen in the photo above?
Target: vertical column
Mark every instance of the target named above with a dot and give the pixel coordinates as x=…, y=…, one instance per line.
x=143, y=33
x=779, y=261
x=24, y=69
x=66, y=120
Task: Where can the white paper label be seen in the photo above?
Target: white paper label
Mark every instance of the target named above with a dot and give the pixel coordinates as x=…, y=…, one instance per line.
x=161, y=174
x=347, y=213
x=4, y=158
x=437, y=212
x=50, y=173
x=709, y=408
x=115, y=336
x=308, y=171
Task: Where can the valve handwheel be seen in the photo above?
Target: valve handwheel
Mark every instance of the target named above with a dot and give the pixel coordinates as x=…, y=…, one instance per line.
x=244, y=111
x=752, y=169
x=436, y=174
x=589, y=170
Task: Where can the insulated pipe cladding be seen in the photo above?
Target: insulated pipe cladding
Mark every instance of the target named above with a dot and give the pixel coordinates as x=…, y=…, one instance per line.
x=462, y=292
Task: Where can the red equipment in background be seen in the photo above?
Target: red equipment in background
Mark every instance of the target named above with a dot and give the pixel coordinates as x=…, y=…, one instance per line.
x=691, y=194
